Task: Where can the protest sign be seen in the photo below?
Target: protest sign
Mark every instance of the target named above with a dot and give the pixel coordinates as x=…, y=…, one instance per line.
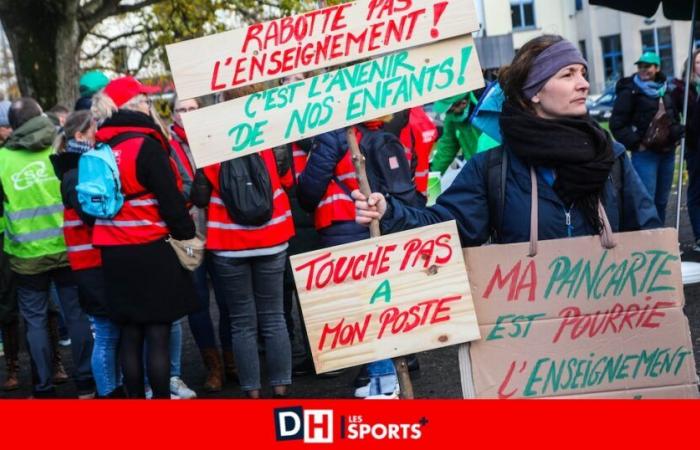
x=385, y=297
x=313, y=40
x=332, y=100
x=580, y=320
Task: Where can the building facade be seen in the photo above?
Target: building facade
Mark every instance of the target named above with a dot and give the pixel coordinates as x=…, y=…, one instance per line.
x=610, y=40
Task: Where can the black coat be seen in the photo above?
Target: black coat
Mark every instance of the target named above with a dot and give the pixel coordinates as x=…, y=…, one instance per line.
x=633, y=112
x=692, y=124
x=145, y=283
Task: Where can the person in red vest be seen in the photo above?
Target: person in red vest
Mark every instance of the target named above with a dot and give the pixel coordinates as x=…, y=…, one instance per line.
x=76, y=138
x=417, y=133
x=147, y=288
x=200, y=321
x=248, y=266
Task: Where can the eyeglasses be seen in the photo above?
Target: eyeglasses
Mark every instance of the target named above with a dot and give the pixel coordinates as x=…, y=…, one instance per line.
x=185, y=110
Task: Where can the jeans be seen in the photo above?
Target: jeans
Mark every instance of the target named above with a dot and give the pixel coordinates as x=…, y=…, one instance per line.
x=176, y=348
x=200, y=321
x=692, y=157
x=33, y=300
x=656, y=172
x=252, y=288
x=105, y=364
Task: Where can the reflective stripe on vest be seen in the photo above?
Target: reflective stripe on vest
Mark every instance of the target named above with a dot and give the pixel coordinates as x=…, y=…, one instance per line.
x=235, y=226
x=80, y=248
x=33, y=236
x=33, y=213
x=218, y=201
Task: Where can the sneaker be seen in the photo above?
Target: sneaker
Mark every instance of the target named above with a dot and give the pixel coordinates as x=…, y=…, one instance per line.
x=180, y=389
x=149, y=394
x=696, y=247
x=383, y=387
x=64, y=342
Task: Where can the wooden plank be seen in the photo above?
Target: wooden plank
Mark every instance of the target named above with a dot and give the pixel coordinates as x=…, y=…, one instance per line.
x=314, y=40
x=385, y=297
x=332, y=100
x=577, y=319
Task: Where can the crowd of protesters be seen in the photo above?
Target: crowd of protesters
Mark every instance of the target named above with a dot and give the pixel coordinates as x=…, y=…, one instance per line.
x=123, y=294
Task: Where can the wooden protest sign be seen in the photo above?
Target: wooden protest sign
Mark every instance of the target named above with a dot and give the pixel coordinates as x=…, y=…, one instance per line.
x=333, y=100
x=313, y=40
x=578, y=320
x=385, y=297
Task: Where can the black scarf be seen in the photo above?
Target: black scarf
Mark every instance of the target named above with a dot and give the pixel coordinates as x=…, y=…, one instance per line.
x=577, y=148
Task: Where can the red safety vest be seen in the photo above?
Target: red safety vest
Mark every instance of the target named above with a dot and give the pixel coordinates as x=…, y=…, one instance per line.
x=299, y=158
x=178, y=140
x=138, y=221
x=336, y=205
x=418, y=136
x=224, y=234
x=78, y=236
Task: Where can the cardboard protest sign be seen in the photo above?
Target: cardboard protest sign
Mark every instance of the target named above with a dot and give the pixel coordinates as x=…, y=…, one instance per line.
x=385, y=297
x=333, y=100
x=580, y=320
x=314, y=40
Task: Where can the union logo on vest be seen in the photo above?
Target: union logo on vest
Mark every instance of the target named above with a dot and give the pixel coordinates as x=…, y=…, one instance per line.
x=30, y=175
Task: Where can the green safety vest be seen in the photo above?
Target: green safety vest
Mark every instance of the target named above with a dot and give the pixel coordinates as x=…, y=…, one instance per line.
x=33, y=216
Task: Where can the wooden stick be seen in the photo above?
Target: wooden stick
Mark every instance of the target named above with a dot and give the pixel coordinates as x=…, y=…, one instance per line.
x=358, y=160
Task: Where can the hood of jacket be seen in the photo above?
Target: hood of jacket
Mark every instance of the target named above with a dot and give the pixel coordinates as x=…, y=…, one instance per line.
x=36, y=134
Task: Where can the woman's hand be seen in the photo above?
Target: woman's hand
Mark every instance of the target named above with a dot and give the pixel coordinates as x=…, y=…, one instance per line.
x=366, y=209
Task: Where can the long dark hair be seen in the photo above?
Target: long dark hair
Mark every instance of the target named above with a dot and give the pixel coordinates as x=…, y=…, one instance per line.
x=77, y=121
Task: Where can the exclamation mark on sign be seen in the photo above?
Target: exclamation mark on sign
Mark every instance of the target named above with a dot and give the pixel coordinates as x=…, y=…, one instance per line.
x=438, y=9
x=466, y=53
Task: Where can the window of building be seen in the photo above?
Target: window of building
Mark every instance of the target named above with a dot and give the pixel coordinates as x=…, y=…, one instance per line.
x=612, y=58
x=579, y=5
x=659, y=40
x=522, y=13
x=582, y=49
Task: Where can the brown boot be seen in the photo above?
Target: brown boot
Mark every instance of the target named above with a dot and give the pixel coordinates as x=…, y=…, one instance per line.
x=10, y=339
x=59, y=372
x=215, y=368
x=230, y=367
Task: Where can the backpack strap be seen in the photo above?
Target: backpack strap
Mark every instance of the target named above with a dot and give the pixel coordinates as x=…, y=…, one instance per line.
x=341, y=184
x=497, y=171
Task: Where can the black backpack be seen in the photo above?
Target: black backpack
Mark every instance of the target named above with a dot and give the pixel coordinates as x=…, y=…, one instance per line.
x=496, y=174
x=388, y=170
x=246, y=190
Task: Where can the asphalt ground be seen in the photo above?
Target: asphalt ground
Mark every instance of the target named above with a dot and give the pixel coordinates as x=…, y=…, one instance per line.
x=438, y=376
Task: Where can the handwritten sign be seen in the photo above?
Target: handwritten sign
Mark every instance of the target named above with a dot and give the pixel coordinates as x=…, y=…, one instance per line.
x=332, y=100
x=385, y=297
x=579, y=320
x=313, y=40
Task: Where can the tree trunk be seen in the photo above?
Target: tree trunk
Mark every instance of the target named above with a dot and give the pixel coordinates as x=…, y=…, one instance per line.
x=45, y=43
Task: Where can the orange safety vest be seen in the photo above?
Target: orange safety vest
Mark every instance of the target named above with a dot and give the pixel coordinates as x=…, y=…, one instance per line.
x=224, y=234
x=78, y=236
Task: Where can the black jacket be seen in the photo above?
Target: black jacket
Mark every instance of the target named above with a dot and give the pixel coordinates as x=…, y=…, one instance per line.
x=633, y=112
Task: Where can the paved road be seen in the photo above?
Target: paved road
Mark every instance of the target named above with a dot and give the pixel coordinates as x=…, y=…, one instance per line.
x=439, y=374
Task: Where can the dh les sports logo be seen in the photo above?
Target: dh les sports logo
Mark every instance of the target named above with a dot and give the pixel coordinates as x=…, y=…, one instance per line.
x=30, y=175
x=315, y=426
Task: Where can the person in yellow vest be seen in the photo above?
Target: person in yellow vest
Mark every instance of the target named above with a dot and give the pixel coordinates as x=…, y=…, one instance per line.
x=33, y=241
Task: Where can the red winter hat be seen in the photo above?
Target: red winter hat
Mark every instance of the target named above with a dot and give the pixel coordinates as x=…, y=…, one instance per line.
x=121, y=90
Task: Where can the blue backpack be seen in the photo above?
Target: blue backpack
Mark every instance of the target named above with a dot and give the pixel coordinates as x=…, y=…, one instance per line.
x=99, y=187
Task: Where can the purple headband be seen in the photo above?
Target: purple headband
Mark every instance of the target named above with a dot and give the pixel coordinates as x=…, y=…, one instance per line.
x=548, y=63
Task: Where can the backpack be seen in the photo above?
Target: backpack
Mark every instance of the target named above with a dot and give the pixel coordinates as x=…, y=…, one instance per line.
x=496, y=175
x=99, y=187
x=246, y=190
x=388, y=170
